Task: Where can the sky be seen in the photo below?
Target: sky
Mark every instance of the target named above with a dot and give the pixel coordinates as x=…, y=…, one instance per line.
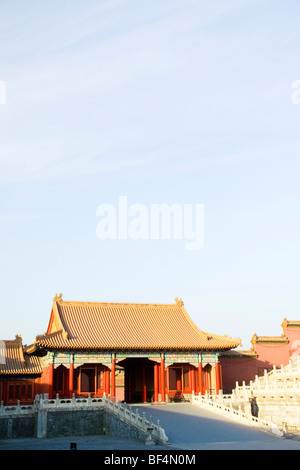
x=187, y=102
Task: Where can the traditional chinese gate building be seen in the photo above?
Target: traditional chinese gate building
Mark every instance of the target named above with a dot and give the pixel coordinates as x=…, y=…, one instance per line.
x=18, y=372
x=154, y=351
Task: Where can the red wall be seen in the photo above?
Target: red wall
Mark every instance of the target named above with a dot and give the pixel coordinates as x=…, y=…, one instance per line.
x=236, y=369
x=294, y=340
x=42, y=383
x=269, y=354
x=239, y=369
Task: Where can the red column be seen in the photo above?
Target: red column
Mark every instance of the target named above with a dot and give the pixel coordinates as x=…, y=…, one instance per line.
x=200, y=378
x=106, y=382
x=207, y=384
x=156, y=382
x=71, y=379
x=193, y=379
x=162, y=378
x=50, y=380
x=217, y=372
x=221, y=378
x=113, y=379
x=144, y=385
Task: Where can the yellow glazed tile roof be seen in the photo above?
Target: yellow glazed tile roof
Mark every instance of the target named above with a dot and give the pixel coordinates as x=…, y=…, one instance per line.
x=290, y=323
x=126, y=326
x=16, y=361
x=269, y=339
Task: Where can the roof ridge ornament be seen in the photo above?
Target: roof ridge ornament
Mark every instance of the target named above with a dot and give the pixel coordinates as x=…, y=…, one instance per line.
x=57, y=298
x=254, y=338
x=179, y=302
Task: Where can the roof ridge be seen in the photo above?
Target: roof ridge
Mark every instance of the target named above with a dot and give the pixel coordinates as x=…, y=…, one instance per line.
x=58, y=300
x=57, y=318
x=82, y=302
x=208, y=335
x=16, y=341
x=256, y=338
x=51, y=335
x=285, y=323
x=188, y=318
x=236, y=341
x=18, y=345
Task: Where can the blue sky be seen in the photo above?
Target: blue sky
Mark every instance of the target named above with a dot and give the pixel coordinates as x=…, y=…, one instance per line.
x=184, y=102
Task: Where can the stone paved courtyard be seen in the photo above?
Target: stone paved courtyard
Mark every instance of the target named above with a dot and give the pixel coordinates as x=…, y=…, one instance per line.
x=187, y=426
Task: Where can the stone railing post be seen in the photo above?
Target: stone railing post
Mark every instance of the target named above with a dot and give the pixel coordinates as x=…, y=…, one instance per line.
x=41, y=402
x=137, y=415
